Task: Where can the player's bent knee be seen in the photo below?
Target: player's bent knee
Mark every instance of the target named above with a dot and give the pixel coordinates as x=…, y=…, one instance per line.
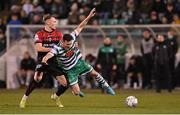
x=62, y=80
x=94, y=73
x=38, y=77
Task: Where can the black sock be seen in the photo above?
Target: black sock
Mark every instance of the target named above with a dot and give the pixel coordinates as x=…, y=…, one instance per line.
x=33, y=84
x=61, y=90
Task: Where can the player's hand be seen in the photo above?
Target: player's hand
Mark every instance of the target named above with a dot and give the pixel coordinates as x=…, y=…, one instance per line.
x=41, y=67
x=92, y=13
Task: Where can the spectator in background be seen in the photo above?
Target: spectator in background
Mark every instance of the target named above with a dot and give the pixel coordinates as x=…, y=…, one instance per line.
x=37, y=19
x=15, y=9
x=85, y=10
x=161, y=54
x=95, y=23
x=47, y=6
x=15, y=32
x=154, y=18
x=59, y=9
x=24, y=17
x=2, y=35
x=170, y=11
x=134, y=73
x=73, y=15
x=2, y=40
x=27, y=7
x=27, y=67
x=147, y=45
x=2, y=25
x=118, y=7
x=104, y=9
x=173, y=45
x=14, y=20
x=159, y=6
x=176, y=19
x=82, y=17
x=177, y=5
x=145, y=8
x=106, y=60
x=164, y=20
x=121, y=50
x=37, y=9
x=132, y=15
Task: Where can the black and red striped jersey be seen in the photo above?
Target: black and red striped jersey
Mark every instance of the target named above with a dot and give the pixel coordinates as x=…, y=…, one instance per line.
x=48, y=39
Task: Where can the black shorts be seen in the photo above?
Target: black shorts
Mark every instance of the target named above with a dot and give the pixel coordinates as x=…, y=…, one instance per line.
x=54, y=71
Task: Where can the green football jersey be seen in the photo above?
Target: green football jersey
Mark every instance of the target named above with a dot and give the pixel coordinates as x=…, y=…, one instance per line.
x=70, y=57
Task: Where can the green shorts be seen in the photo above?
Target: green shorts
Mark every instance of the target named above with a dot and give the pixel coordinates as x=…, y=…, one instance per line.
x=81, y=68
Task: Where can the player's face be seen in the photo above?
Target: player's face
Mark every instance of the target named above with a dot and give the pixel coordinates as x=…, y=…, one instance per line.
x=52, y=23
x=67, y=44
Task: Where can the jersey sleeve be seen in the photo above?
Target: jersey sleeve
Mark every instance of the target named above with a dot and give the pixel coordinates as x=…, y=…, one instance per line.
x=37, y=39
x=74, y=34
x=54, y=50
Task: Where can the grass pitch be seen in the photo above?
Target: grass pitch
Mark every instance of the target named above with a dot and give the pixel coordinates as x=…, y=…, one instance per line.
x=93, y=102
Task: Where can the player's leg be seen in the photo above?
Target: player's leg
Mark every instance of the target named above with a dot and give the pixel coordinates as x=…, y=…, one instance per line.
x=102, y=81
x=72, y=76
x=33, y=84
x=88, y=69
x=58, y=74
x=76, y=90
x=61, y=89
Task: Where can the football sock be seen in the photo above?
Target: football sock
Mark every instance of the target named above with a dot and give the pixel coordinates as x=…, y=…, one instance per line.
x=33, y=84
x=25, y=97
x=61, y=90
x=101, y=80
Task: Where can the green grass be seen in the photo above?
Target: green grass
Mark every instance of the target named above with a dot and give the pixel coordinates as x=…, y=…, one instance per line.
x=93, y=102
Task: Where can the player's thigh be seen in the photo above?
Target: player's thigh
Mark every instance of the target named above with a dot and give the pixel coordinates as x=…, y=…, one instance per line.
x=85, y=68
x=72, y=77
x=62, y=80
x=93, y=73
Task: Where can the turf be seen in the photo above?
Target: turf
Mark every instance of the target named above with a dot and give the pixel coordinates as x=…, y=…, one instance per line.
x=93, y=102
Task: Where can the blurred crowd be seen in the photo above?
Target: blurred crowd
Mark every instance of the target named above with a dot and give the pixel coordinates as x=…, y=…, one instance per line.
x=109, y=12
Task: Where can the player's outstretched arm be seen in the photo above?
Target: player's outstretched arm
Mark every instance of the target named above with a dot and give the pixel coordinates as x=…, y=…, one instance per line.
x=85, y=21
x=47, y=57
